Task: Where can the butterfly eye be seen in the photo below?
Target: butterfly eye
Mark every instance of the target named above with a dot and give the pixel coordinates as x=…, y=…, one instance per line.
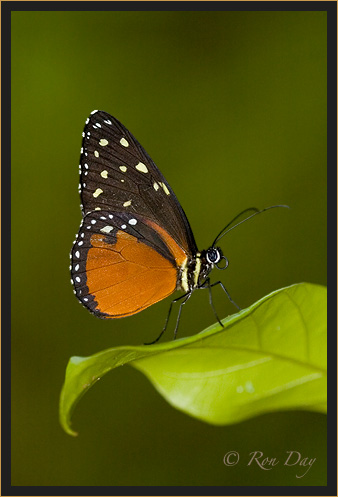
x=213, y=255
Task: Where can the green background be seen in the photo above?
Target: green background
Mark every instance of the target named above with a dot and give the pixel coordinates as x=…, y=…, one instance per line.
x=232, y=108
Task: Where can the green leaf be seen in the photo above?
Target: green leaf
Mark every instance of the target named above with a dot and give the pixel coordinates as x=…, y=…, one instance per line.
x=270, y=356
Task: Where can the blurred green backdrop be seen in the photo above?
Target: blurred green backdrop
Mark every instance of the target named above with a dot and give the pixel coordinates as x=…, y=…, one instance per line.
x=232, y=108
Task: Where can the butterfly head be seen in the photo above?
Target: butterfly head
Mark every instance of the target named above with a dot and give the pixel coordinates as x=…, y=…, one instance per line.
x=210, y=258
x=214, y=257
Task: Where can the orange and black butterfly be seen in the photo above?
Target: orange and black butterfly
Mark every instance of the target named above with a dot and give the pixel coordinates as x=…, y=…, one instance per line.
x=135, y=245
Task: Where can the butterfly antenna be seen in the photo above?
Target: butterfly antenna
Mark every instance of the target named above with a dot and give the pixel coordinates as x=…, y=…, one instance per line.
x=256, y=211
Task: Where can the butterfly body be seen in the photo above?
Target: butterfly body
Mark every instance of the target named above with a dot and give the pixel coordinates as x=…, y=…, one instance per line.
x=195, y=272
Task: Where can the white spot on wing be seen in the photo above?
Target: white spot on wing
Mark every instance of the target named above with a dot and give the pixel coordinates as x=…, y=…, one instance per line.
x=141, y=167
x=103, y=142
x=123, y=226
x=107, y=229
x=132, y=221
x=97, y=192
x=104, y=174
x=96, y=153
x=126, y=204
x=156, y=187
x=123, y=168
x=124, y=142
x=164, y=186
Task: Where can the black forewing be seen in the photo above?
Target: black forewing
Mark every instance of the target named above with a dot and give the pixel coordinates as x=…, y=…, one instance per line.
x=117, y=174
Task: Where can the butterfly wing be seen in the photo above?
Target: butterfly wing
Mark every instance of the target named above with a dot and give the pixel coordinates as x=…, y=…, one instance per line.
x=122, y=263
x=117, y=175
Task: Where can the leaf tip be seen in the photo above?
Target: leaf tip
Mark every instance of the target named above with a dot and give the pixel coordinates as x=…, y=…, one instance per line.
x=67, y=429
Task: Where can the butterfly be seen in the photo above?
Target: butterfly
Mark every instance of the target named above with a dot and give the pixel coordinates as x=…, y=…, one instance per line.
x=135, y=245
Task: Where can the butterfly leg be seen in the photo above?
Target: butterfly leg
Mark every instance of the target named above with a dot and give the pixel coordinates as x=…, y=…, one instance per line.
x=226, y=292
x=179, y=312
x=168, y=316
x=207, y=285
